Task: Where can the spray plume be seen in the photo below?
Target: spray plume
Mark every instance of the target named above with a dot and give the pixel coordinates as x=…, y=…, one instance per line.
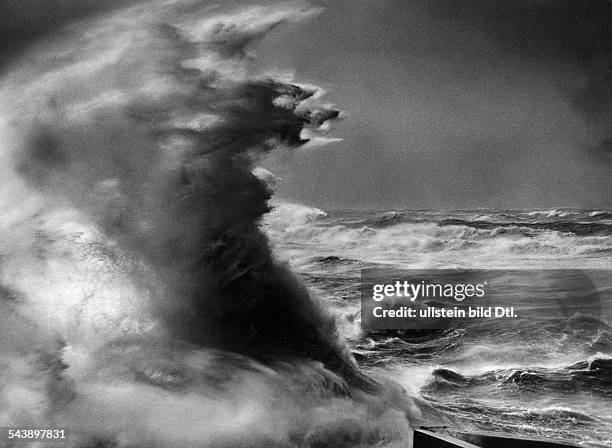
x=140, y=296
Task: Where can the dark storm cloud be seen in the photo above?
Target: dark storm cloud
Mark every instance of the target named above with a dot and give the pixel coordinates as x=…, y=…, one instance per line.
x=24, y=21
x=573, y=34
x=499, y=103
x=572, y=29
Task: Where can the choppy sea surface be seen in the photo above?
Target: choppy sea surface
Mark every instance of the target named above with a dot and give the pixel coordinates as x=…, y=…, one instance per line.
x=551, y=377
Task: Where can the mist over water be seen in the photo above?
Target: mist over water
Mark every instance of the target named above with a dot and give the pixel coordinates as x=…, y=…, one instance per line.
x=140, y=301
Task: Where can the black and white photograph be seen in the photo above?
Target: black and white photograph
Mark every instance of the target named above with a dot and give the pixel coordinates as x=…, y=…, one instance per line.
x=305, y=224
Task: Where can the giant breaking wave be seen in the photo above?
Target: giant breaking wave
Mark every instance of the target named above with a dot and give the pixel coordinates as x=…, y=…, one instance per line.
x=140, y=304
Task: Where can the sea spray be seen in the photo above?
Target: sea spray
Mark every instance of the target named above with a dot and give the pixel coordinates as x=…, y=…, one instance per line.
x=168, y=174
x=132, y=254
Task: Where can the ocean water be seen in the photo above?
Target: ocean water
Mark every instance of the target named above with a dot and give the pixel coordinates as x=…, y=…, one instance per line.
x=550, y=377
x=141, y=300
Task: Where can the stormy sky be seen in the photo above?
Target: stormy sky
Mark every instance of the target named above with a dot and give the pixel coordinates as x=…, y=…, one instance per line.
x=455, y=104
x=24, y=22
x=449, y=104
